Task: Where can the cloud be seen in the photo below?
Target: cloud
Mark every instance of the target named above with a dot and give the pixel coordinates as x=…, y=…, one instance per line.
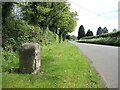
x=111, y=14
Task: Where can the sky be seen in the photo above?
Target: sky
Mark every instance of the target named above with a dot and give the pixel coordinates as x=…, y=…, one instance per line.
x=93, y=14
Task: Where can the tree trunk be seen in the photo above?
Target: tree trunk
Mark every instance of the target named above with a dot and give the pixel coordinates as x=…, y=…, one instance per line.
x=60, y=37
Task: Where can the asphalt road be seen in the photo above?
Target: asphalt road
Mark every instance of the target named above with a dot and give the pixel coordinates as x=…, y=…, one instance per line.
x=104, y=59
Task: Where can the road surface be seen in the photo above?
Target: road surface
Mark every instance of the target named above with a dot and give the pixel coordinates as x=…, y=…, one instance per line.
x=104, y=59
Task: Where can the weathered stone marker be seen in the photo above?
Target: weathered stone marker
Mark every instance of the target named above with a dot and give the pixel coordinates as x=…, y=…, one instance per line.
x=29, y=58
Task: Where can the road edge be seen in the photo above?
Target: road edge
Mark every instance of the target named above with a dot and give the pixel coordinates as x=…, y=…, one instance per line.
x=103, y=81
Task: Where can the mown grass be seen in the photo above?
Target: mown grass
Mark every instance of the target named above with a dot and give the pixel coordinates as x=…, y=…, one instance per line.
x=63, y=66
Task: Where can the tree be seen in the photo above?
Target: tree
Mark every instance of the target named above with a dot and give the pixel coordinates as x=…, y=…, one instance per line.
x=104, y=30
x=81, y=32
x=41, y=16
x=114, y=30
x=15, y=31
x=73, y=37
x=64, y=22
x=33, y=12
x=7, y=9
x=67, y=23
x=89, y=33
x=55, y=16
x=69, y=37
x=99, y=31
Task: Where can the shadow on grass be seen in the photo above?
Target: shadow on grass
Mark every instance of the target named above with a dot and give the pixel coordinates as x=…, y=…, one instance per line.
x=14, y=70
x=45, y=65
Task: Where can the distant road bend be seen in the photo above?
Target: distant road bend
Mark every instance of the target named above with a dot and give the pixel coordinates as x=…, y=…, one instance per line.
x=104, y=59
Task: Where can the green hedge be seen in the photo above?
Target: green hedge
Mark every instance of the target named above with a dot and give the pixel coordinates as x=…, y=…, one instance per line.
x=114, y=41
x=112, y=34
x=104, y=39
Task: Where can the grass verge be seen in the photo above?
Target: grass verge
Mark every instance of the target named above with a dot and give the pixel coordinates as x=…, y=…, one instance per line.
x=63, y=66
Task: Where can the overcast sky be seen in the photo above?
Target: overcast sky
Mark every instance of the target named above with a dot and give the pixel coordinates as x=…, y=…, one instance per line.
x=95, y=13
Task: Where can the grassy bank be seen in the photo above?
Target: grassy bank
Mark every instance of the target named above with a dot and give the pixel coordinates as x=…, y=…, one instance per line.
x=63, y=66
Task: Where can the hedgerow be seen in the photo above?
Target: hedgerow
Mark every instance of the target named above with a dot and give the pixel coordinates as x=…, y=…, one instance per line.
x=17, y=32
x=114, y=41
x=104, y=39
x=112, y=34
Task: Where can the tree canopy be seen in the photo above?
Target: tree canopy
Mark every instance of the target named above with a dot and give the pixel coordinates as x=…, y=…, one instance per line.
x=99, y=31
x=53, y=15
x=49, y=14
x=114, y=30
x=81, y=32
x=104, y=30
x=89, y=33
x=43, y=21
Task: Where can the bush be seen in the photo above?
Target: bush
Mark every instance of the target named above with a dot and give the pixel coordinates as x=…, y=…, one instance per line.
x=9, y=60
x=47, y=38
x=16, y=32
x=50, y=37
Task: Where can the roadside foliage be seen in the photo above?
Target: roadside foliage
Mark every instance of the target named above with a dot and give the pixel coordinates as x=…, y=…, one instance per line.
x=105, y=39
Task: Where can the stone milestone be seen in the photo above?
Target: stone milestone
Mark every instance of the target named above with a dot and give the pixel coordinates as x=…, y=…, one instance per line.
x=29, y=58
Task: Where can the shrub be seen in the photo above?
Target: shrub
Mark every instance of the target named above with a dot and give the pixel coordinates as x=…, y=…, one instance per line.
x=16, y=32
x=47, y=37
x=9, y=60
